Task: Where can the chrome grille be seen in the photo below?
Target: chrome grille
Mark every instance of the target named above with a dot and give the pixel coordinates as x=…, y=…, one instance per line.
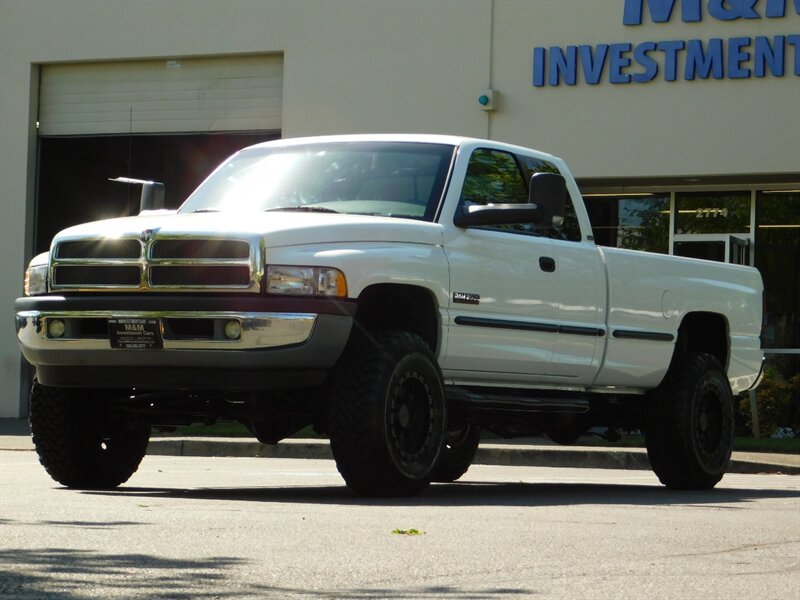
x=138, y=264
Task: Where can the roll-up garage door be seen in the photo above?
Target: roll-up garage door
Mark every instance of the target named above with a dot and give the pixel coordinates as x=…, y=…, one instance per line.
x=236, y=93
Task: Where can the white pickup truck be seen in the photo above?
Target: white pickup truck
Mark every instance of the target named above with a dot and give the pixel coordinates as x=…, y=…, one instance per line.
x=399, y=293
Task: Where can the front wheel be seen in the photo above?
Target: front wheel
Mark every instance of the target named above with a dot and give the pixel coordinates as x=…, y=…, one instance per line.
x=689, y=424
x=387, y=414
x=81, y=442
x=461, y=444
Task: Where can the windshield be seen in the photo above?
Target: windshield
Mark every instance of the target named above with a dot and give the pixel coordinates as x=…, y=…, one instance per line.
x=391, y=179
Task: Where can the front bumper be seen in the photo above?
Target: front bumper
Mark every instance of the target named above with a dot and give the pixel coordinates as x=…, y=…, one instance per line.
x=283, y=342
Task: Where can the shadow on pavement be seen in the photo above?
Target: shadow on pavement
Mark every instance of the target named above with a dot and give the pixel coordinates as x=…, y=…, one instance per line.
x=472, y=494
x=66, y=573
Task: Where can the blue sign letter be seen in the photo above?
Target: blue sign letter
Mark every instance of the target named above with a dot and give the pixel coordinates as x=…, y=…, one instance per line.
x=736, y=56
x=794, y=40
x=670, y=50
x=650, y=65
x=619, y=61
x=728, y=10
x=703, y=62
x=660, y=11
x=768, y=56
x=538, y=66
x=593, y=64
x=777, y=8
x=563, y=64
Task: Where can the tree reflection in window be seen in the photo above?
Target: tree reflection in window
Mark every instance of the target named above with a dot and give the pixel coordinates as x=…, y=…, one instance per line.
x=777, y=257
x=497, y=177
x=493, y=177
x=639, y=222
x=712, y=212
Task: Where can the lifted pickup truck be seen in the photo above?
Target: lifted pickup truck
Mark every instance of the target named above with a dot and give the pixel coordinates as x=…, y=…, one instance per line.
x=398, y=293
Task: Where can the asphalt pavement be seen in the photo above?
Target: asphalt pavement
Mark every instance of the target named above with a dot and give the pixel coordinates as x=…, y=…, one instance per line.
x=249, y=529
x=528, y=452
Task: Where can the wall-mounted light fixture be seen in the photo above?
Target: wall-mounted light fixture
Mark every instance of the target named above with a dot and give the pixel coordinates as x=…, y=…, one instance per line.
x=486, y=100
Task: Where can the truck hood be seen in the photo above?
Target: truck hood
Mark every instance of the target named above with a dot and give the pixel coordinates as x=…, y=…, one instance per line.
x=276, y=228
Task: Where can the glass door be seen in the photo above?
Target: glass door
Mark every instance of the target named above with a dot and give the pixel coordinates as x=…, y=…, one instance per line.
x=721, y=248
x=713, y=226
x=778, y=259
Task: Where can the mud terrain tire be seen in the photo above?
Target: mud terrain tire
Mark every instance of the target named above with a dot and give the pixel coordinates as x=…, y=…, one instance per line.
x=689, y=423
x=387, y=414
x=79, y=443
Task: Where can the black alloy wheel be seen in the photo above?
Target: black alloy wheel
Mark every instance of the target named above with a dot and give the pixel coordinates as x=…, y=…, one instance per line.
x=387, y=414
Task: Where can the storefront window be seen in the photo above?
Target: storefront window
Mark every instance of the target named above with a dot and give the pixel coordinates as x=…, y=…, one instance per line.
x=636, y=222
x=778, y=259
x=712, y=212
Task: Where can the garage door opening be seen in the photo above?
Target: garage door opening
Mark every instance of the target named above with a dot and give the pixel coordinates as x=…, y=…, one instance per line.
x=171, y=120
x=73, y=174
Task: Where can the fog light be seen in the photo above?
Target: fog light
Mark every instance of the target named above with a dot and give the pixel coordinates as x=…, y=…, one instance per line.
x=56, y=328
x=233, y=330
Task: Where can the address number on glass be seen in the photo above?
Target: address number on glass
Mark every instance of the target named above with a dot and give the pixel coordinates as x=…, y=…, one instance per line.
x=135, y=334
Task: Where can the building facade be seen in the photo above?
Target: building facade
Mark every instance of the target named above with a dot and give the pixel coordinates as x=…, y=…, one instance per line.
x=680, y=118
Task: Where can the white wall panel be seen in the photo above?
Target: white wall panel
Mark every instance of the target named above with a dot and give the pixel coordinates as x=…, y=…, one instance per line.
x=162, y=96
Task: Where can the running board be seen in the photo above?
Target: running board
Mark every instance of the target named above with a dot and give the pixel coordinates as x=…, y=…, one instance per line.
x=517, y=400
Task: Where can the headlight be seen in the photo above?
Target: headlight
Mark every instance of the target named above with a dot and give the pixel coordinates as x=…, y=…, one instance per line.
x=35, y=280
x=306, y=281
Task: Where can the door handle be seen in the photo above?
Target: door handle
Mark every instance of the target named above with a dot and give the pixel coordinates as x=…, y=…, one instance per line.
x=547, y=264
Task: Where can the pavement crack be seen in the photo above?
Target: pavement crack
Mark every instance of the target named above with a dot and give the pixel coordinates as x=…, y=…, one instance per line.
x=743, y=548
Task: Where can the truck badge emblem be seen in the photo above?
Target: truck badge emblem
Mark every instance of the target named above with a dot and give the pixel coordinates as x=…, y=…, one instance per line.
x=147, y=235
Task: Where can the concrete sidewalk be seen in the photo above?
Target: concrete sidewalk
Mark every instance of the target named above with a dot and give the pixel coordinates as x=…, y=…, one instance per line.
x=534, y=452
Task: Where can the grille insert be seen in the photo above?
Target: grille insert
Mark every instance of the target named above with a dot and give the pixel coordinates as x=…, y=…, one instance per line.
x=199, y=276
x=91, y=275
x=109, y=249
x=192, y=248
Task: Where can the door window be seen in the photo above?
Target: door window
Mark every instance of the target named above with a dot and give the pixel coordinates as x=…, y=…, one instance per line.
x=493, y=177
x=497, y=177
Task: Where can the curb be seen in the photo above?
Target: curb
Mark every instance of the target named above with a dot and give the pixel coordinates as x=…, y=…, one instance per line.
x=488, y=454
x=15, y=435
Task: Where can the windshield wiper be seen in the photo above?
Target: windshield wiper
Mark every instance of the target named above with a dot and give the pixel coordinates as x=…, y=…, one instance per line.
x=309, y=208
x=206, y=210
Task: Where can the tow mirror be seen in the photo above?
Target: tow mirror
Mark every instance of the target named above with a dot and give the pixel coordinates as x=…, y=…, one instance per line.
x=152, y=197
x=549, y=192
x=547, y=202
x=496, y=214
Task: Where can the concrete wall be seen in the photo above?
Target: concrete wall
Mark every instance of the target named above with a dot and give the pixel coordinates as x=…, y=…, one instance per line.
x=407, y=65
x=709, y=127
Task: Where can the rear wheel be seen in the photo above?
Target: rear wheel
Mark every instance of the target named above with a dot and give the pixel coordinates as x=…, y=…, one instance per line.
x=387, y=415
x=81, y=443
x=689, y=423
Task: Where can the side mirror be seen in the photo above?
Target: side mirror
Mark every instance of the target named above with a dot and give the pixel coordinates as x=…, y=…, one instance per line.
x=496, y=214
x=549, y=192
x=152, y=197
x=547, y=205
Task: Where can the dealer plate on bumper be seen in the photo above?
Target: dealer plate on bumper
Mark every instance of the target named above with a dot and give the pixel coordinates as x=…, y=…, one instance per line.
x=135, y=334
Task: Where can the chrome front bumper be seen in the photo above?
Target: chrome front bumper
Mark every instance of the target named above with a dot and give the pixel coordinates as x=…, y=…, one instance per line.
x=293, y=346
x=258, y=330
